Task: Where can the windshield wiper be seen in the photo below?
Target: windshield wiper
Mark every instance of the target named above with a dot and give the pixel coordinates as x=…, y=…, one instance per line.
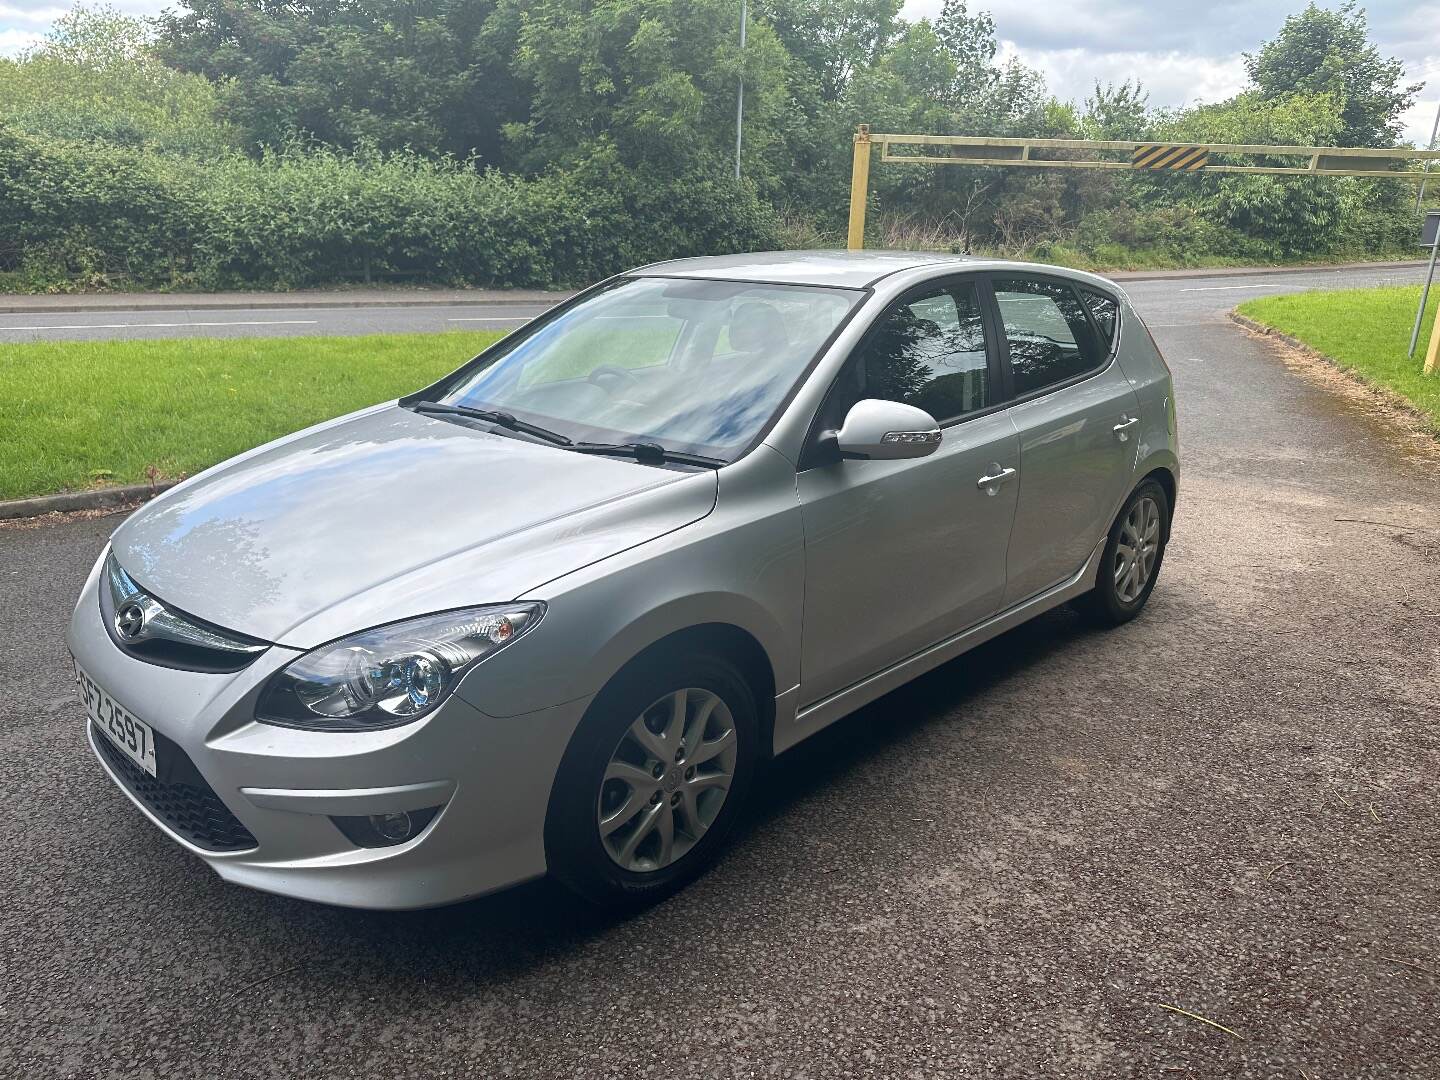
x=491, y=416
x=647, y=453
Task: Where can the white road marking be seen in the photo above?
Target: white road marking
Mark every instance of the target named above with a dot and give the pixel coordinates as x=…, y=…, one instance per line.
x=1222, y=288
x=153, y=325
x=513, y=318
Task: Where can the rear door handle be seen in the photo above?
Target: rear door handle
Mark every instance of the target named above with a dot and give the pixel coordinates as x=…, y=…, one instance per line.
x=1124, y=426
x=991, y=484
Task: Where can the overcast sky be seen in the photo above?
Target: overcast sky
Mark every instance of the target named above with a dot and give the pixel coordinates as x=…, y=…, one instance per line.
x=1190, y=53
x=1182, y=53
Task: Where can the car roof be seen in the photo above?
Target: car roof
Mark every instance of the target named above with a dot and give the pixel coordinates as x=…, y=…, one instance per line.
x=837, y=269
x=846, y=269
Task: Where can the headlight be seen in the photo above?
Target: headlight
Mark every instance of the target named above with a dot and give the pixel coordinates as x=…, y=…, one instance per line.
x=393, y=674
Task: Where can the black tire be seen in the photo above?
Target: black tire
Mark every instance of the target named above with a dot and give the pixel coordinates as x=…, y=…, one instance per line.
x=1103, y=606
x=575, y=854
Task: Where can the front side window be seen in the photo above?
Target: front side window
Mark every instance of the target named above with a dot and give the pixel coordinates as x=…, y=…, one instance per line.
x=928, y=351
x=693, y=365
x=1047, y=331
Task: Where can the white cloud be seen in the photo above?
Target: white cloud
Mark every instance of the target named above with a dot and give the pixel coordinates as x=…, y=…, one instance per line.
x=1403, y=28
x=33, y=16
x=13, y=42
x=47, y=11
x=1420, y=118
x=1171, y=78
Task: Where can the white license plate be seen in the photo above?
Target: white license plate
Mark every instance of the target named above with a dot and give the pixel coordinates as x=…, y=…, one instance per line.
x=132, y=735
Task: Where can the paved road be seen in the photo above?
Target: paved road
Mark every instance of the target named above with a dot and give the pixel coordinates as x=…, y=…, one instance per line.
x=340, y=313
x=230, y=322
x=1004, y=870
x=1185, y=303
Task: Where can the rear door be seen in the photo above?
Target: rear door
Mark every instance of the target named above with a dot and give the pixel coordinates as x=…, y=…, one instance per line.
x=1076, y=416
x=900, y=554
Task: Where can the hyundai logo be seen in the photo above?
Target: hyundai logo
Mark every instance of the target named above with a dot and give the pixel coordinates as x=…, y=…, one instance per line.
x=130, y=621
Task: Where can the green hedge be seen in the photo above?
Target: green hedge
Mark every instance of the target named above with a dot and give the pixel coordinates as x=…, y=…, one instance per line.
x=71, y=212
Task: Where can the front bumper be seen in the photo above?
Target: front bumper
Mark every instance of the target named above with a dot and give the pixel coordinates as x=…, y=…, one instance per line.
x=490, y=776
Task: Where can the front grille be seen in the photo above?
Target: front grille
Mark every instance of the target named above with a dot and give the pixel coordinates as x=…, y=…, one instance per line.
x=182, y=800
x=165, y=635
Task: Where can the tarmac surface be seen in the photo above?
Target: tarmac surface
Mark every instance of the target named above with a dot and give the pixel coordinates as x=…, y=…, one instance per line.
x=109, y=316
x=1019, y=866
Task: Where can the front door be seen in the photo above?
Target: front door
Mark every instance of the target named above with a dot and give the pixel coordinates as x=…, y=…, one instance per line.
x=900, y=554
x=1075, y=413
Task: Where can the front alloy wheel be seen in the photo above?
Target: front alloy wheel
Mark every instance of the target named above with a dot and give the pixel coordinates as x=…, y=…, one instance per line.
x=653, y=779
x=667, y=780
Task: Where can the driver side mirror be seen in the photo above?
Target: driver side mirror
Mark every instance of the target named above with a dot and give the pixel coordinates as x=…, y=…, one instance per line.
x=876, y=430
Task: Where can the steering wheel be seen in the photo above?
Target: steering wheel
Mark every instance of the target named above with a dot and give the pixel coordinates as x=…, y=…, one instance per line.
x=613, y=374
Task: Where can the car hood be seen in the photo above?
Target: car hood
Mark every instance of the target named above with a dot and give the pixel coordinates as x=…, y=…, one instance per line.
x=386, y=514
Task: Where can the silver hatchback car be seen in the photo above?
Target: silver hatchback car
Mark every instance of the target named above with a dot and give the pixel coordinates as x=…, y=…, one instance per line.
x=554, y=612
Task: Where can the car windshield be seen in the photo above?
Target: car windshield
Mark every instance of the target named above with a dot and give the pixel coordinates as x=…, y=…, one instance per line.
x=695, y=366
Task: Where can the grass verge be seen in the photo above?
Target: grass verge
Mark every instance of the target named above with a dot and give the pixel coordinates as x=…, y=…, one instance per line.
x=1365, y=332
x=82, y=414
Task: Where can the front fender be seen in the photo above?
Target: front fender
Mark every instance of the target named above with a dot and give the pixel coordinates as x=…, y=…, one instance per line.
x=742, y=566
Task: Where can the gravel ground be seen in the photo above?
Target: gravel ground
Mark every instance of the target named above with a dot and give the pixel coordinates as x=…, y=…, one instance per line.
x=1010, y=868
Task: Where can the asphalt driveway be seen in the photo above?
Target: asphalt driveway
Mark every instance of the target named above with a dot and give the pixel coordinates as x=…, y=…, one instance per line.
x=1007, y=869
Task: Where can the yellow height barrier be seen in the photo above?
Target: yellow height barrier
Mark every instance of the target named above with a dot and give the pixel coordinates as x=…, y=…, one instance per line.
x=859, y=188
x=1189, y=158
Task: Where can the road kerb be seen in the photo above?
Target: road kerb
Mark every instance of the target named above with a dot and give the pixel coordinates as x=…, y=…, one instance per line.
x=95, y=499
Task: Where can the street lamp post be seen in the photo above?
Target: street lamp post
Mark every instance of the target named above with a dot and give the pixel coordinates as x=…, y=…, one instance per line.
x=740, y=94
x=1434, y=131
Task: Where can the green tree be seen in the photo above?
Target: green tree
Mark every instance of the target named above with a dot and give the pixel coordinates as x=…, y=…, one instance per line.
x=96, y=77
x=830, y=46
x=832, y=39
x=1259, y=217
x=653, y=79
x=1117, y=112
x=431, y=75
x=1329, y=52
x=941, y=78
x=969, y=40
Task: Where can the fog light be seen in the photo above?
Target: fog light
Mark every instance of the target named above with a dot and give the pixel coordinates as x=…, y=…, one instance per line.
x=394, y=827
x=385, y=830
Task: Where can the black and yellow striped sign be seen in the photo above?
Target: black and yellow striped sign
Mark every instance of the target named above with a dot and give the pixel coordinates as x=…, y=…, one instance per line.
x=1175, y=158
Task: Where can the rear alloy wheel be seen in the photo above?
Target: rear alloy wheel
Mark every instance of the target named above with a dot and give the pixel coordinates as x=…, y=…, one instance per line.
x=652, y=781
x=1138, y=549
x=1132, y=558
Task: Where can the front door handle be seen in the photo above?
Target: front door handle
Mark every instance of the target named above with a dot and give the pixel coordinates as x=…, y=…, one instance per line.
x=991, y=484
x=1124, y=426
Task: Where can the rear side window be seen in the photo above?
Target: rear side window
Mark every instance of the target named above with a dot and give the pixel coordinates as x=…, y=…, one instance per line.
x=1103, y=310
x=1049, y=336
x=928, y=351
